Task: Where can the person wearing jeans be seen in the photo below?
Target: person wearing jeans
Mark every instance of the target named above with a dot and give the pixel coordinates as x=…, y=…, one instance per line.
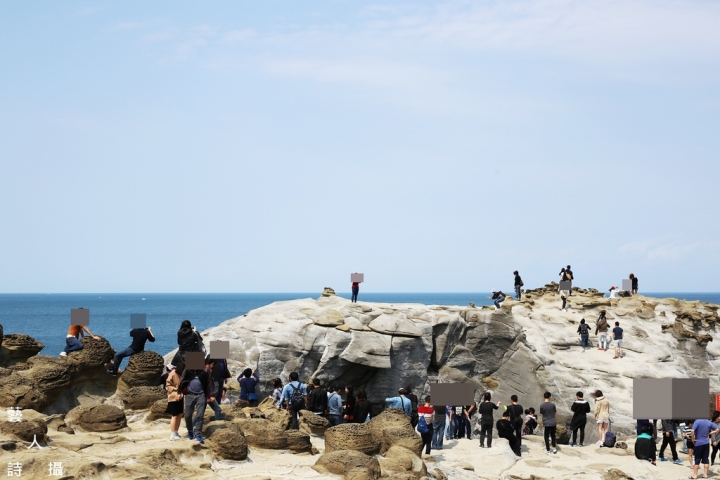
x=72, y=341
x=139, y=336
x=427, y=413
x=584, y=331
x=449, y=423
x=518, y=285
x=438, y=427
x=198, y=393
x=459, y=420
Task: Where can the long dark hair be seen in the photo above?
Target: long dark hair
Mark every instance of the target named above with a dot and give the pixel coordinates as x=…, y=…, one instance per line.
x=361, y=395
x=186, y=324
x=277, y=383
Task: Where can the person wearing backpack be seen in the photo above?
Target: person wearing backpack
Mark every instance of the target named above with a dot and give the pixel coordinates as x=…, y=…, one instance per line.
x=295, y=395
x=518, y=285
x=425, y=424
x=602, y=326
x=584, y=331
x=516, y=418
x=335, y=407
x=580, y=409
x=569, y=277
x=602, y=415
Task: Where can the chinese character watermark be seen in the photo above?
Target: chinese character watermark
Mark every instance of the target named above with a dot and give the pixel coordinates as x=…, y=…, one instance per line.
x=56, y=469
x=35, y=443
x=14, y=469
x=14, y=414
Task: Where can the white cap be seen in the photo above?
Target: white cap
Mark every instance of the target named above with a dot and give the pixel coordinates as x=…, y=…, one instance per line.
x=494, y=291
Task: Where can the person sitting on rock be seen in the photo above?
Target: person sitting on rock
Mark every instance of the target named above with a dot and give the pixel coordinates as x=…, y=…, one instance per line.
x=140, y=336
x=530, y=421
x=248, y=381
x=645, y=448
x=497, y=297
x=507, y=431
x=401, y=401
x=72, y=341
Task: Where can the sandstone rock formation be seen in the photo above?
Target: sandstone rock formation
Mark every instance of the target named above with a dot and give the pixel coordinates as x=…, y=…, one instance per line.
x=351, y=464
x=143, y=370
x=96, y=418
x=351, y=436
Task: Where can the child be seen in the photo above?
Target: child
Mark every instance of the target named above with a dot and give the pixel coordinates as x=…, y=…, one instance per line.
x=530, y=421
x=685, y=432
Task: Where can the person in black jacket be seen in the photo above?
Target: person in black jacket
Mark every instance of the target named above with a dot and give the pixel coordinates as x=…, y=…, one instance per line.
x=220, y=374
x=349, y=404
x=139, y=336
x=506, y=430
x=516, y=417
x=318, y=399
x=486, y=409
x=580, y=409
x=197, y=386
x=645, y=448
x=188, y=339
x=633, y=284
x=518, y=285
x=362, y=408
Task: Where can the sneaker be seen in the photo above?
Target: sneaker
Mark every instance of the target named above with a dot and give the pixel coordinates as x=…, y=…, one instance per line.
x=200, y=439
x=547, y=452
x=190, y=436
x=573, y=444
x=581, y=445
x=175, y=436
x=554, y=450
x=482, y=446
x=662, y=459
x=678, y=461
x=63, y=354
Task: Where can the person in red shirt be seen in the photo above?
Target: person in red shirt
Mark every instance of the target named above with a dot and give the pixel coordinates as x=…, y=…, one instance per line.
x=427, y=412
x=72, y=340
x=355, y=290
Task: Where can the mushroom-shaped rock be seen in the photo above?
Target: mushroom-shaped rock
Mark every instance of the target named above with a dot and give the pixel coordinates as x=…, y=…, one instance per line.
x=394, y=324
x=313, y=424
x=263, y=433
x=404, y=436
x=25, y=430
x=351, y=436
x=389, y=418
x=95, y=353
x=20, y=346
x=143, y=370
x=96, y=418
x=351, y=464
x=400, y=460
x=141, y=398
x=157, y=410
x=229, y=444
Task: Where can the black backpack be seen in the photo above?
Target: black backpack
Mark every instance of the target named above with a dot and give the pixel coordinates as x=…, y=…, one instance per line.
x=297, y=402
x=584, y=329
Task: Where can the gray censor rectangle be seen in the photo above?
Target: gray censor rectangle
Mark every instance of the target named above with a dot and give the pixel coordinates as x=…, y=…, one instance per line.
x=79, y=316
x=219, y=349
x=627, y=286
x=565, y=285
x=357, y=277
x=138, y=320
x=690, y=397
x=194, y=361
x=652, y=398
x=452, y=393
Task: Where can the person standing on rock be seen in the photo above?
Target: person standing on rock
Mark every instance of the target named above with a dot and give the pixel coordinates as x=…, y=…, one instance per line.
x=139, y=336
x=601, y=327
x=468, y=412
x=702, y=429
x=569, y=277
x=362, y=411
x=580, y=409
x=633, y=284
x=355, y=290
x=278, y=389
x=486, y=410
x=401, y=401
x=548, y=411
x=668, y=427
x=349, y=404
x=584, y=331
x=716, y=437
x=72, y=340
x=220, y=375
x=497, y=297
x=518, y=285
x=602, y=415
x=449, y=422
x=175, y=399
x=427, y=412
x=189, y=340
x=459, y=421
x=505, y=430
x=295, y=394
x=618, y=337
x=318, y=399
x=335, y=407
x=196, y=386
x=516, y=417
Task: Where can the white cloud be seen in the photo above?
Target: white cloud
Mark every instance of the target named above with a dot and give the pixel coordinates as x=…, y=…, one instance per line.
x=663, y=249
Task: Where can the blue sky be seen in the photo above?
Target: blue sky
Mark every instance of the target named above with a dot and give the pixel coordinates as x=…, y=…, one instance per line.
x=255, y=147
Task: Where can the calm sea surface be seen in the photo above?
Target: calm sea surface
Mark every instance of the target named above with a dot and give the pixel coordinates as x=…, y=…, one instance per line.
x=46, y=316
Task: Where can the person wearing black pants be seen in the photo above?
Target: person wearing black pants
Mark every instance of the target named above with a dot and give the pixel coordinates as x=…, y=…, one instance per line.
x=548, y=410
x=506, y=430
x=580, y=409
x=486, y=409
x=668, y=439
x=516, y=418
x=427, y=412
x=715, y=439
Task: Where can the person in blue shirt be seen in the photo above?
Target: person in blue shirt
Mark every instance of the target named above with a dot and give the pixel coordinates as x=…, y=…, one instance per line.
x=248, y=380
x=335, y=407
x=701, y=431
x=400, y=402
x=295, y=396
x=618, y=337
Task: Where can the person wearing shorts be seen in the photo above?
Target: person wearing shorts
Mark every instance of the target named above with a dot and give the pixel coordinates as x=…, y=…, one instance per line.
x=602, y=415
x=700, y=437
x=618, y=337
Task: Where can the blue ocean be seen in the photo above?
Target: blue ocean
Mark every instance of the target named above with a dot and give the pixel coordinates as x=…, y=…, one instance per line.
x=46, y=316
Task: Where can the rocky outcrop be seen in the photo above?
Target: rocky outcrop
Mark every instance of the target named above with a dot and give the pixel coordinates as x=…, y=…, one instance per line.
x=262, y=433
x=280, y=417
x=144, y=369
x=351, y=436
x=157, y=411
x=96, y=418
x=312, y=424
x=26, y=430
x=228, y=444
x=392, y=428
x=141, y=398
x=351, y=464
x=298, y=442
x=399, y=460
x=19, y=347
